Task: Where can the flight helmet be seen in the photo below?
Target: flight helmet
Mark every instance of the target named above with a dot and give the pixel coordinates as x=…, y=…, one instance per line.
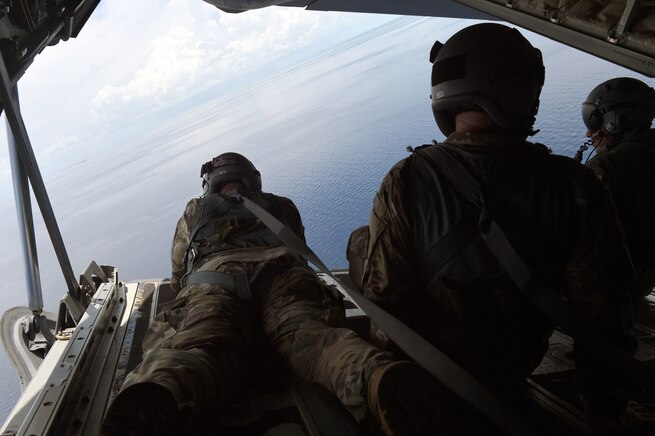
x=490, y=68
x=618, y=106
x=229, y=167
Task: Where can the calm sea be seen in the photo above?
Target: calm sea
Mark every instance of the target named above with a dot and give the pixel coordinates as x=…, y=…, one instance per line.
x=323, y=132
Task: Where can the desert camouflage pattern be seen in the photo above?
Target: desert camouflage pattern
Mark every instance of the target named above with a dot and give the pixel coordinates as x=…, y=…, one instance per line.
x=202, y=345
x=587, y=258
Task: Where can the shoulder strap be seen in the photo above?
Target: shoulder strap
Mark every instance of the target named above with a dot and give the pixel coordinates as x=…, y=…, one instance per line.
x=203, y=218
x=540, y=294
x=200, y=220
x=444, y=369
x=457, y=238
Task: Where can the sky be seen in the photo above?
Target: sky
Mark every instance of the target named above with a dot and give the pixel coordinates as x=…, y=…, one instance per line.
x=134, y=58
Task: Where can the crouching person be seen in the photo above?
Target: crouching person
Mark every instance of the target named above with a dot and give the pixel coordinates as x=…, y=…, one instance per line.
x=427, y=258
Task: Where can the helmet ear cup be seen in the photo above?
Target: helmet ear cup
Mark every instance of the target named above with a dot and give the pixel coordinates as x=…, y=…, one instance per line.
x=610, y=127
x=611, y=120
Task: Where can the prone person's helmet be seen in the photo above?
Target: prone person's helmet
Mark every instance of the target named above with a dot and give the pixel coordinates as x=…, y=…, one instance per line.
x=229, y=167
x=618, y=106
x=490, y=68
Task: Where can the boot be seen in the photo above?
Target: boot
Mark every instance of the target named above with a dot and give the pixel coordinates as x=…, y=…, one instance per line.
x=144, y=409
x=406, y=400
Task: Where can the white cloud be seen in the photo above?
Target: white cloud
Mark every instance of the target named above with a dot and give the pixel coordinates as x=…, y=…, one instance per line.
x=172, y=64
x=134, y=56
x=193, y=54
x=62, y=143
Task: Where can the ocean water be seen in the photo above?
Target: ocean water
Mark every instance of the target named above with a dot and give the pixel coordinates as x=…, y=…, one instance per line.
x=323, y=132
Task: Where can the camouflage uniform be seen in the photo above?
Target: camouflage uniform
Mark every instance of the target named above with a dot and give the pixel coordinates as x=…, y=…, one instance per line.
x=557, y=218
x=626, y=169
x=201, y=345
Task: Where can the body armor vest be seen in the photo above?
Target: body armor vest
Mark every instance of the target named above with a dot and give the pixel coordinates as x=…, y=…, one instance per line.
x=627, y=169
x=222, y=224
x=432, y=231
x=467, y=296
x=442, y=219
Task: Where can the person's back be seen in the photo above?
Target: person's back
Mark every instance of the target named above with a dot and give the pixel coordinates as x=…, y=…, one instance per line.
x=618, y=114
x=425, y=265
x=554, y=213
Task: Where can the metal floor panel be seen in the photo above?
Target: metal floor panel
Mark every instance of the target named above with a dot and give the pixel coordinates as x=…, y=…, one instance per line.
x=271, y=402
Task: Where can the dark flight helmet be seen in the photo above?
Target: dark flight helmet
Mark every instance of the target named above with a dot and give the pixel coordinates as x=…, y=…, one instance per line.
x=618, y=106
x=490, y=68
x=229, y=167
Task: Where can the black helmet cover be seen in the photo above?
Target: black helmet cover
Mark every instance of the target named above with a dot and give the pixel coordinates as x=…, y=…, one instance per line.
x=229, y=167
x=491, y=68
x=619, y=105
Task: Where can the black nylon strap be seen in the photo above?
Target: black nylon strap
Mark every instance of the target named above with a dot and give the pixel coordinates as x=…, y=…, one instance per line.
x=545, y=298
x=448, y=247
x=457, y=238
x=201, y=219
x=444, y=369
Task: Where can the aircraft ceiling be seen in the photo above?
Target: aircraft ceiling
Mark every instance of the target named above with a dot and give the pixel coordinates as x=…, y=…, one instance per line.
x=621, y=31
x=28, y=26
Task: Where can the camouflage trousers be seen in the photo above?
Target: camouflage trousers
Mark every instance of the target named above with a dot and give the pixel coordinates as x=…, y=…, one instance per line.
x=201, y=345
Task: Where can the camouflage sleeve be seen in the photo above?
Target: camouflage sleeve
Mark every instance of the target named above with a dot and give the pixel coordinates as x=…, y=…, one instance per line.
x=622, y=180
x=596, y=167
x=597, y=276
x=389, y=274
x=599, y=271
x=356, y=252
x=615, y=174
x=181, y=243
x=292, y=215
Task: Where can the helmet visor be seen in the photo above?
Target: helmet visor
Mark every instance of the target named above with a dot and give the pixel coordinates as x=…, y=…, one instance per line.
x=591, y=117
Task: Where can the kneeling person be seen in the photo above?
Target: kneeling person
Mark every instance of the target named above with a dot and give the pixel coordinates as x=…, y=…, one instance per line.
x=427, y=260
